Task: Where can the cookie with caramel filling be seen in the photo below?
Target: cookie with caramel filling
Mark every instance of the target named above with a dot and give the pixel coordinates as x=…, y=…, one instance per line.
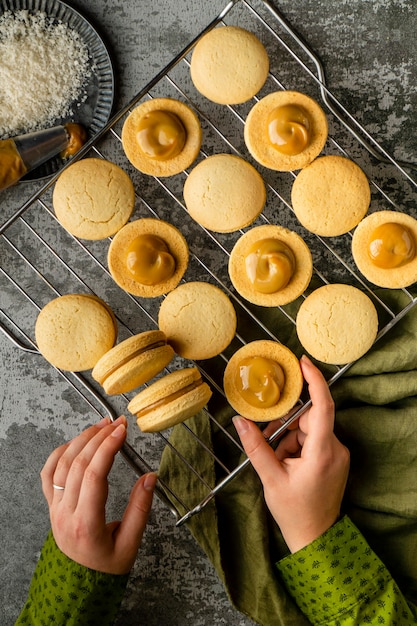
x=270, y=265
x=148, y=257
x=162, y=137
x=285, y=130
x=263, y=380
x=384, y=248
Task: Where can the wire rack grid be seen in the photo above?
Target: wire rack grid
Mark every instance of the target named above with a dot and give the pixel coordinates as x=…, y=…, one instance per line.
x=40, y=260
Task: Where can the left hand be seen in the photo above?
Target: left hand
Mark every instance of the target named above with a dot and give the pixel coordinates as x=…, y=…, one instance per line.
x=77, y=512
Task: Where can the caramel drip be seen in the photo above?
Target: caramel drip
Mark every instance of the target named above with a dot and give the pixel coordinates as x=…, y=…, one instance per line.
x=77, y=136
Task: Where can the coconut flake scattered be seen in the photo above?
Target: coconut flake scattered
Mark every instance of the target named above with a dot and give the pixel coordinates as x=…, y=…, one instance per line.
x=44, y=67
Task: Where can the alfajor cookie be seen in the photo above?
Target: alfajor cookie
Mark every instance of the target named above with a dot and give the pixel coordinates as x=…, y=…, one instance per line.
x=93, y=198
x=133, y=362
x=148, y=257
x=384, y=248
x=74, y=331
x=337, y=324
x=224, y=193
x=285, y=130
x=330, y=196
x=162, y=137
x=263, y=380
x=270, y=265
x=198, y=319
x=229, y=65
x=170, y=400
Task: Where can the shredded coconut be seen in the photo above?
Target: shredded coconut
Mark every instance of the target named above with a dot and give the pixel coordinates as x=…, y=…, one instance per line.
x=44, y=66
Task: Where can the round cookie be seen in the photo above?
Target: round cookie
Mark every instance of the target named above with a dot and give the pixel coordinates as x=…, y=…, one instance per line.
x=395, y=277
x=264, y=381
x=156, y=253
x=198, y=319
x=330, y=196
x=337, y=324
x=93, y=198
x=170, y=400
x=295, y=106
x=74, y=331
x=224, y=193
x=270, y=264
x=163, y=138
x=229, y=65
x=133, y=362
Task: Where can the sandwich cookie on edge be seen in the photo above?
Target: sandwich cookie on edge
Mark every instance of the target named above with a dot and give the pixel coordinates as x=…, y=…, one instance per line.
x=170, y=400
x=133, y=362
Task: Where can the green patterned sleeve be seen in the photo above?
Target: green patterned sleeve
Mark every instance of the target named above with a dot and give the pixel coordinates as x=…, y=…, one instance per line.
x=64, y=592
x=339, y=581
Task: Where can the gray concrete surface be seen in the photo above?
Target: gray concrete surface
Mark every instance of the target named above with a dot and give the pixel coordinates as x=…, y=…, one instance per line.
x=369, y=51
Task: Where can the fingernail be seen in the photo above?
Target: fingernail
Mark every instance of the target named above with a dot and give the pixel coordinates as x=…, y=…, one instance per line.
x=305, y=360
x=104, y=422
x=240, y=424
x=119, y=431
x=121, y=420
x=150, y=481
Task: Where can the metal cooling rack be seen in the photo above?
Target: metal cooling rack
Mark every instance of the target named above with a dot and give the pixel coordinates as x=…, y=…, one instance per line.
x=39, y=260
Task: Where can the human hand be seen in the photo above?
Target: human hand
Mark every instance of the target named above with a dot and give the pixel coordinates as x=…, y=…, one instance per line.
x=77, y=512
x=304, y=479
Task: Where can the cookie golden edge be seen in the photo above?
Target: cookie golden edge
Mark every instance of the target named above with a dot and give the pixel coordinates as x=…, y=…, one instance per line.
x=169, y=167
x=349, y=335
x=133, y=362
x=257, y=141
x=315, y=187
x=170, y=400
x=204, y=186
x=393, y=278
x=293, y=380
x=71, y=219
x=53, y=348
x=205, y=65
x=177, y=246
x=299, y=281
x=176, y=321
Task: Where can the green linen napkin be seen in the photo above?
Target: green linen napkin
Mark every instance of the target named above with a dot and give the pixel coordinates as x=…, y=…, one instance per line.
x=376, y=417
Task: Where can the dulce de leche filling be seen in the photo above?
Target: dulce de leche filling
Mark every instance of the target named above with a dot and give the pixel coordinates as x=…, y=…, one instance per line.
x=160, y=135
x=391, y=245
x=149, y=261
x=289, y=129
x=169, y=398
x=77, y=136
x=260, y=381
x=270, y=265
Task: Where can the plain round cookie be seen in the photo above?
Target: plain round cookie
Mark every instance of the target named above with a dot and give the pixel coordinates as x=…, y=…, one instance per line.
x=337, y=324
x=229, y=65
x=224, y=193
x=391, y=278
x=173, y=238
x=298, y=282
x=198, y=319
x=74, y=331
x=93, y=198
x=172, y=166
x=293, y=383
x=330, y=196
x=256, y=126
